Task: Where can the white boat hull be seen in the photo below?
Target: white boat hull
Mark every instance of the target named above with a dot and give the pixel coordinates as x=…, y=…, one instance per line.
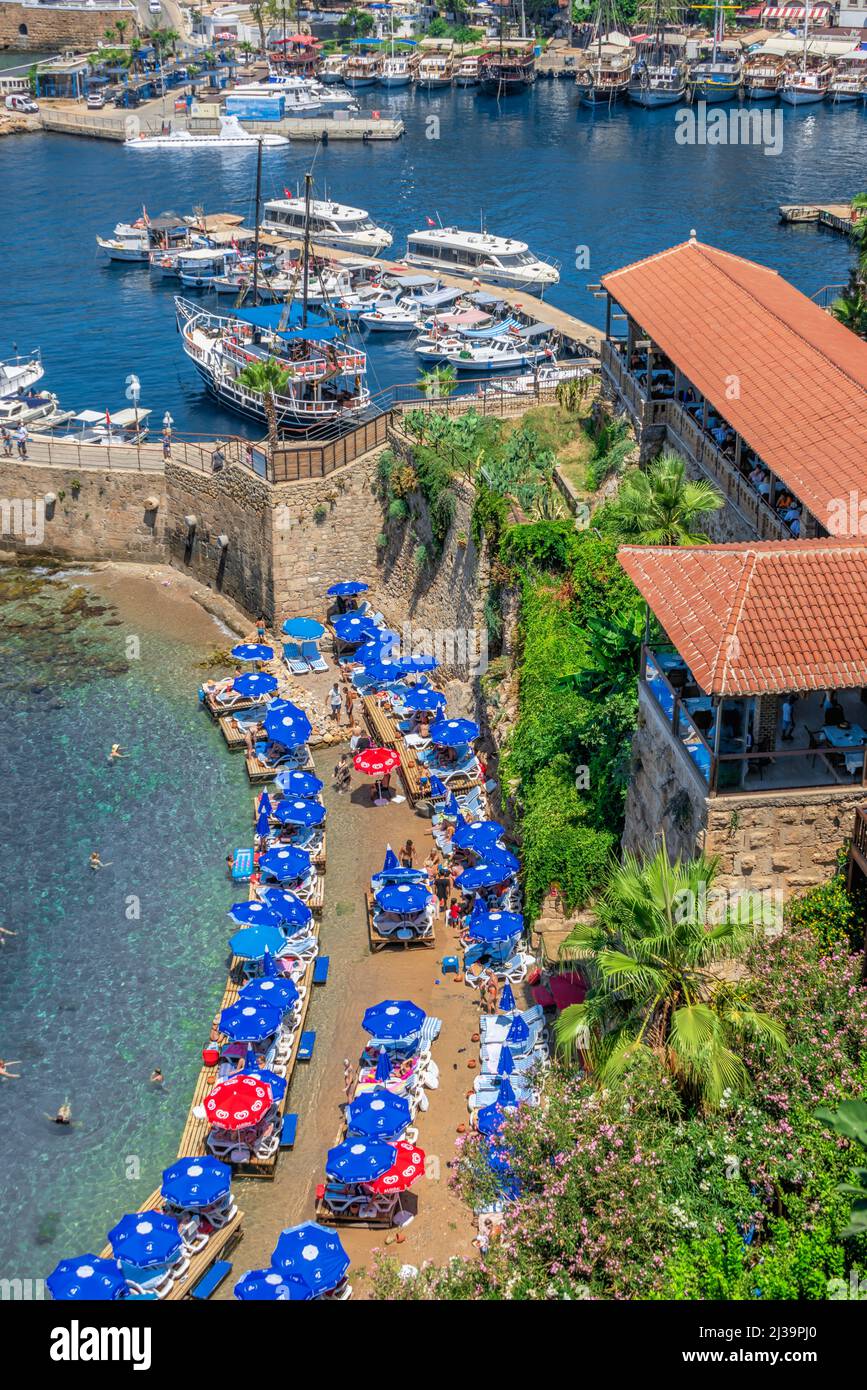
x=801, y=96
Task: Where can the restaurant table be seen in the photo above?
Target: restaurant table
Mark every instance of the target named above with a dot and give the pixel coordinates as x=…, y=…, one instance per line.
x=853, y=737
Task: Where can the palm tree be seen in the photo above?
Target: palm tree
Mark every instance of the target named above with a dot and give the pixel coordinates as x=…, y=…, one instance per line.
x=111, y=36
x=121, y=27
x=266, y=379
x=259, y=10
x=440, y=382
x=851, y=309
x=661, y=506
x=654, y=987
x=246, y=48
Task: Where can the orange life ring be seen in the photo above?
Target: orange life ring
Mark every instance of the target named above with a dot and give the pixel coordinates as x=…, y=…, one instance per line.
x=375, y=115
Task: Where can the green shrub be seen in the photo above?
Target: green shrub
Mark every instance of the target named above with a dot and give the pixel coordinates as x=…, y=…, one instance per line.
x=828, y=912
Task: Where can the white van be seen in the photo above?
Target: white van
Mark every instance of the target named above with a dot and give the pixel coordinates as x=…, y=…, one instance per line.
x=155, y=6
x=22, y=102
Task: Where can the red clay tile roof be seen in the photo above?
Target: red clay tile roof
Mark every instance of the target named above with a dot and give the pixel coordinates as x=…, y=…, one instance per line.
x=731, y=325
x=765, y=617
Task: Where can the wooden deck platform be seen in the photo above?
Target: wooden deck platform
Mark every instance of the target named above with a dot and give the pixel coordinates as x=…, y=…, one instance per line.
x=837, y=216
x=381, y=725
x=259, y=772
x=231, y=733
x=219, y=1243
x=217, y=711
x=412, y=770
x=378, y=942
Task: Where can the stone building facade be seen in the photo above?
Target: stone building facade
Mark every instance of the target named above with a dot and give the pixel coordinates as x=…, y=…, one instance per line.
x=49, y=28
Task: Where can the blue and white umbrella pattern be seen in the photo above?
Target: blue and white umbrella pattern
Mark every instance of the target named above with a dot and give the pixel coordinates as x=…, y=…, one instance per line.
x=486, y=874
x=254, y=683
x=454, y=732
x=303, y=629
x=383, y=672
x=393, y=1018
x=276, y=993
x=378, y=1114
x=263, y=824
x=379, y=648
x=518, y=1031
x=478, y=834
x=313, y=1253
x=419, y=663
x=245, y=1022
x=506, y=1095
x=85, y=1278
x=292, y=782
x=383, y=1066
x=278, y=1084
x=285, y=863
x=359, y=1160
x=354, y=627
x=264, y=804
x=272, y=1286
x=424, y=697
x=288, y=907
x=494, y=926
x=196, y=1183
x=290, y=730
x=146, y=1238
x=253, y=943
x=507, y=999
x=490, y=1118
x=252, y=651
x=403, y=897
x=252, y=914
x=299, y=812
x=506, y=1063
x=345, y=588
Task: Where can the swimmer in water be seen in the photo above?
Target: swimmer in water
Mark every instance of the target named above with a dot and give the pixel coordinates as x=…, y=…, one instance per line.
x=157, y=1077
x=64, y=1114
x=116, y=752
x=10, y=1075
x=4, y=932
x=96, y=862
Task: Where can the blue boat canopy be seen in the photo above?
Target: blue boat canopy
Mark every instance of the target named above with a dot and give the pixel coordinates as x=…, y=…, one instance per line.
x=272, y=315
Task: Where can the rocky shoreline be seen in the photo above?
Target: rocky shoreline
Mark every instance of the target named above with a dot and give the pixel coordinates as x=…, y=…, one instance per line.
x=12, y=123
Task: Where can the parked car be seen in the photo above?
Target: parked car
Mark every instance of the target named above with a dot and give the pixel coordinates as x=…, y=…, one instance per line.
x=21, y=102
x=127, y=98
x=95, y=101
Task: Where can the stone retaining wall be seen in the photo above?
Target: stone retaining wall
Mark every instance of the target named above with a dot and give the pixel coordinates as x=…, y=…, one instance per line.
x=46, y=28
x=98, y=514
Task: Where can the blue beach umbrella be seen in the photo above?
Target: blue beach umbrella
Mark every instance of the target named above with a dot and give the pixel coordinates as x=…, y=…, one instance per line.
x=501, y=1167
x=506, y=1095
x=383, y=672
x=383, y=1066
x=393, y=1018
x=278, y=993
x=478, y=834
x=354, y=627
x=378, y=1114
x=253, y=914
x=438, y=787
x=347, y=587
x=299, y=812
x=403, y=897
x=288, y=729
x=391, y=861
x=285, y=863
x=507, y=999
x=494, y=926
x=85, y=1278
x=279, y=1085
x=359, y=1160
x=196, y=1183
x=263, y=824
x=506, y=1064
x=255, y=683
x=146, y=1238
x=490, y=1118
x=269, y=1285
x=453, y=810
x=312, y=1253
x=250, y=1022
x=518, y=1031
x=252, y=651
x=424, y=697
x=379, y=647
x=293, y=782
x=454, y=732
x=264, y=799
x=288, y=907
x=253, y=943
x=303, y=629
x=420, y=663
x=484, y=875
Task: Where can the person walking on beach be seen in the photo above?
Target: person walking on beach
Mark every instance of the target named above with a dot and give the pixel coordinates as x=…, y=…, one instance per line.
x=7, y=442
x=335, y=700
x=407, y=856
x=443, y=886
x=21, y=436
x=348, y=702
x=348, y=1071
x=261, y=629
x=341, y=773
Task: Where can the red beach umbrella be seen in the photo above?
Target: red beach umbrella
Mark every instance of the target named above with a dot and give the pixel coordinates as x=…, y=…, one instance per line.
x=375, y=762
x=238, y=1103
x=407, y=1168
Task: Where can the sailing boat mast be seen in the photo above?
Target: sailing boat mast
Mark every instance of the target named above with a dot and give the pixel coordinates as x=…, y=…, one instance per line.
x=308, y=181
x=258, y=216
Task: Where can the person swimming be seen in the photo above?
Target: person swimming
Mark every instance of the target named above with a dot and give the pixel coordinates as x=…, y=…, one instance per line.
x=64, y=1114
x=117, y=752
x=157, y=1077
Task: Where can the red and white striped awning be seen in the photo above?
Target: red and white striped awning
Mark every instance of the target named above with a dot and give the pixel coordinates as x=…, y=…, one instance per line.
x=794, y=11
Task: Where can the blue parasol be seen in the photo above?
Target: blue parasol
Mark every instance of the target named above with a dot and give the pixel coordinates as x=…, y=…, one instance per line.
x=378, y=1114
x=303, y=629
x=393, y=1018
x=507, y=999
x=438, y=787
x=251, y=943
x=270, y=969
x=379, y=648
x=359, y=1160
x=506, y=1064
x=292, y=782
x=383, y=672
x=86, y=1278
x=494, y=926
x=244, y=1022
x=264, y=799
x=279, y=1085
x=420, y=663
x=255, y=683
x=424, y=697
x=454, y=732
x=346, y=587
x=391, y=861
x=195, y=1183
x=288, y=729
x=299, y=812
x=254, y=914
x=146, y=1238
x=506, y=1095
x=354, y=627
x=312, y=1253
x=252, y=651
x=263, y=824
x=403, y=897
x=383, y=1066
x=272, y=1286
x=478, y=834
x=518, y=1031
x=285, y=863
x=485, y=874
x=490, y=1118
x=279, y=993
x=288, y=907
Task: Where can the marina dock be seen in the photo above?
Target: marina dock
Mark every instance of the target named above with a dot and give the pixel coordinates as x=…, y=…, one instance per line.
x=115, y=125
x=838, y=216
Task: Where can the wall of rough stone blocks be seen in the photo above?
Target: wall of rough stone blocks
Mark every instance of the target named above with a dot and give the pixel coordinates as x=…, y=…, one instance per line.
x=99, y=514
x=765, y=840
x=52, y=29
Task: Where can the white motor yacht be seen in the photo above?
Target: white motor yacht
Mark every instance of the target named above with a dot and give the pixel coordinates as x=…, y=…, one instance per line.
x=494, y=259
x=230, y=136
x=331, y=224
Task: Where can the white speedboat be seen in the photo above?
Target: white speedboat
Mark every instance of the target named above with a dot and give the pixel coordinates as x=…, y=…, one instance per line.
x=545, y=377
x=331, y=224
x=19, y=373
x=133, y=248
x=325, y=98
x=397, y=317
x=230, y=136
x=29, y=407
x=494, y=259
x=494, y=354
x=365, y=300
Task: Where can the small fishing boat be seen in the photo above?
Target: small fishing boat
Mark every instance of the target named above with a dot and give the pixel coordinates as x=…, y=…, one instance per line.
x=401, y=316
x=362, y=70
x=197, y=269
x=718, y=74
x=230, y=136
x=545, y=377
x=30, y=407
x=19, y=373
x=495, y=354
x=434, y=71
x=352, y=305
x=763, y=76
x=127, y=426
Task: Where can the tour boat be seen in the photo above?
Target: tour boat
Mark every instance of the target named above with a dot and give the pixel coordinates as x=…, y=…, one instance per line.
x=808, y=84
x=324, y=386
x=333, y=69
x=848, y=80
x=718, y=74
x=197, y=269
x=434, y=70
x=467, y=71
x=19, y=373
x=396, y=71
x=497, y=260
x=331, y=224
x=494, y=354
x=231, y=136
x=659, y=73
x=763, y=76
x=362, y=70
x=504, y=71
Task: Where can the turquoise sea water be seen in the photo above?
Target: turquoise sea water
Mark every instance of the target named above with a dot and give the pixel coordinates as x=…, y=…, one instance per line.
x=116, y=971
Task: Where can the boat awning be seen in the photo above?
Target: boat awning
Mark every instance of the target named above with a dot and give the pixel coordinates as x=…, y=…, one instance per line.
x=167, y=222
x=285, y=321
x=794, y=12
x=536, y=330
x=129, y=416
x=413, y=281
x=485, y=297
x=467, y=318
x=437, y=297
x=202, y=253
x=226, y=235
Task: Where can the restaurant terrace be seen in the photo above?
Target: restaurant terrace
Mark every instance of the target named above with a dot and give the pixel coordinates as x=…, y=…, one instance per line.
x=755, y=656
x=757, y=387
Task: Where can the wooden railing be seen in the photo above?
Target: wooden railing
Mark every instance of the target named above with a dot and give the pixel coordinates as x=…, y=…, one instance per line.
x=317, y=460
